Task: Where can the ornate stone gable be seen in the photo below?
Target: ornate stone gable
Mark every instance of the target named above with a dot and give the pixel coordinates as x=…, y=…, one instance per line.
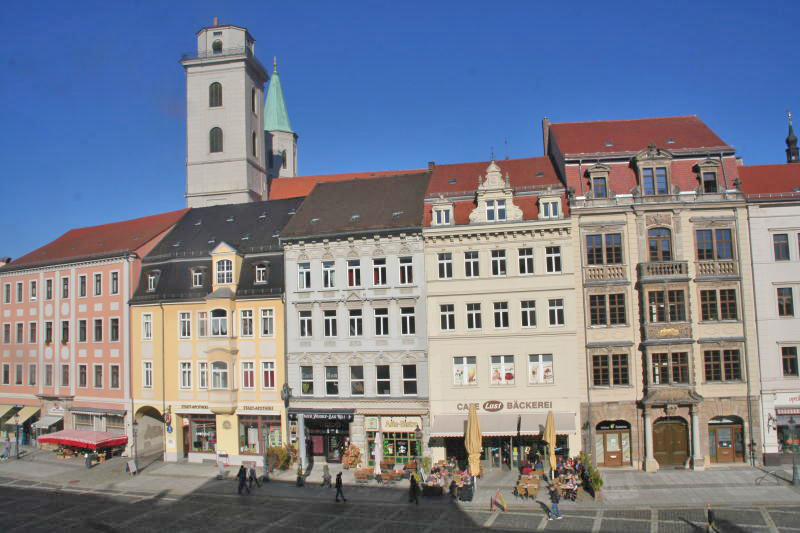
x=491, y=189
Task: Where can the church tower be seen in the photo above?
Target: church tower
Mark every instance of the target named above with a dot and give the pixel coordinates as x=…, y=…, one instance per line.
x=792, y=155
x=281, y=141
x=225, y=161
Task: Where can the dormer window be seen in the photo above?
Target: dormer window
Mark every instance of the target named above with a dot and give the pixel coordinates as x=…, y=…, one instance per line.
x=709, y=182
x=495, y=210
x=262, y=273
x=599, y=188
x=654, y=180
x=224, y=271
x=197, y=277
x=549, y=208
x=152, y=280
x=442, y=216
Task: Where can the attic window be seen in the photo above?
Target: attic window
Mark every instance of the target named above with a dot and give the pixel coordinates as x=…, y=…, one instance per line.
x=230, y=219
x=397, y=214
x=261, y=273
x=452, y=181
x=670, y=140
x=355, y=218
x=540, y=174
x=176, y=244
x=276, y=235
x=199, y=222
x=197, y=277
x=291, y=212
x=152, y=280
x=211, y=241
x=608, y=144
x=262, y=216
x=314, y=220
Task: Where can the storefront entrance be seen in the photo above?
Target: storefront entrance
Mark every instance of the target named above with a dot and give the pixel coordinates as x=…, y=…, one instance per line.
x=671, y=441
x=326, y=433
x=726, y=439
x=612, y=443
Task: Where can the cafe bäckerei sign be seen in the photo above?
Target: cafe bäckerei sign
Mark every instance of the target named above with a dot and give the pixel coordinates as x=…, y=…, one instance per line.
x=493, y=406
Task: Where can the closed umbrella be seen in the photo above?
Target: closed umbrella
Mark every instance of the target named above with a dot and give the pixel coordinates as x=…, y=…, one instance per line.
x=378, y=452
x=550, y=438
x=473, y=441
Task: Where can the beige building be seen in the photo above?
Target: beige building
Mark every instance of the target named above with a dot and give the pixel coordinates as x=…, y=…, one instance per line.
x=501, y=308
x=667, y=300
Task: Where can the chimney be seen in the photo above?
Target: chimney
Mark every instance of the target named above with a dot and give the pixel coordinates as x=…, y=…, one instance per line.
x=431, y=166
x=216, y=21
x=546, y=135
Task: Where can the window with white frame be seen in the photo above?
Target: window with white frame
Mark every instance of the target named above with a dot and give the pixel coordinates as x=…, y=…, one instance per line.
x=500, y=314
x=445, y=265
x=64, y=375
x=82, y=289
x=7, y=334
x=246, y=316
x=328, y=274
x=202, y=323
x=6, y=374
x=353, y=272
x=381, y=321
x=498, y=262
x=202, y=375
x=357, y=380
x=224, y=271
x=379, y=271
x=495, y=210
x=219, y=323
x=471, y=268
x=383, y=380
x=329, y=323
x=552, y=258
x=307, y=380
x=32, y=374
x=502, y=370
x=262, y=273
x=48, y=332
x=465, y=370
x=356, y=322
x=32, y=290
x=7, y=293
x=186, y=375
x=32, y=332
x=64, y=289
x=114, y=376
x=48, y=289
x=303, y=276
x=268, y=374
x=267, y=322
x=556, y=311
x=98, y=376
x=115, y=283
x=540, y=368
x=197, y=277
x=528, y=313
x=410, y=380
x=248, y=375
x=406, y=271
x=48, y=375
x=185, y=325
x=525, y=256
x=407, y=321
x=441, y=216
x=83, y=377
x=113, y=329
x=305, y=324
x=332, y=380
x=98, y=285
x=474, y=316
x=98, y=330
x=152, y=281
x=19, y=290
x=21, y=332
x=549, y=209
x=447, y=317
x=18, y=377
x=219, y=375
x=147, y=375
x=82, y=330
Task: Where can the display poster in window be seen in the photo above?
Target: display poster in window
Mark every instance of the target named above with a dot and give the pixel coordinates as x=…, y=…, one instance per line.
x=371, y=423
x=252, y=438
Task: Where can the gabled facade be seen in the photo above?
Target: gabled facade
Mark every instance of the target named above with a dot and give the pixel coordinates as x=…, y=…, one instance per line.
x=666, y=300
x=356, y=340
x=65, y=323
x=207, y=331
x=501, y=307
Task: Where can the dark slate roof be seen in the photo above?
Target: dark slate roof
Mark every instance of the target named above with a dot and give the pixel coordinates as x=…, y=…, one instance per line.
x=361, y=206
x=252, y=229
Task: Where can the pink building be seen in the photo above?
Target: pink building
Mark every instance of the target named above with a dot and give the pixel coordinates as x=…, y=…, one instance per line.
x=64, y=337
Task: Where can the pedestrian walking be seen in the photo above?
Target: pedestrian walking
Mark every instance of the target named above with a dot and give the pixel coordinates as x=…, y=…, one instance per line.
x=88, y=460
x=710, y=519
x=253, y=478
x=326, y=477
x=242, y=477
x=339, y=487
x=554, y=499
x=413, y=490
x=7, y=449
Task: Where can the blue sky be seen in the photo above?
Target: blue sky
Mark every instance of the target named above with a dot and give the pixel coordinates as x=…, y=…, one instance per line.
x=94, y=114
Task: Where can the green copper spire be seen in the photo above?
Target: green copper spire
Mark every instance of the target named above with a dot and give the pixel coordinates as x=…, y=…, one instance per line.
x=276, y=118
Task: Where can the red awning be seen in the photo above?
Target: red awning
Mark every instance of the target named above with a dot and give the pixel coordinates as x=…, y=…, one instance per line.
x=91, y=440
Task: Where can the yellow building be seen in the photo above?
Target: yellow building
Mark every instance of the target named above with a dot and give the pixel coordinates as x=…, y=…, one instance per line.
x=208, y=336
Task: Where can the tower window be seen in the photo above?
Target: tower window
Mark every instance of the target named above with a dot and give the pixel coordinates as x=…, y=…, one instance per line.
x=215, y=94
x=253, y=100
x=283, y=159
x=216, y=46
x=215, y=139
x=255, y=143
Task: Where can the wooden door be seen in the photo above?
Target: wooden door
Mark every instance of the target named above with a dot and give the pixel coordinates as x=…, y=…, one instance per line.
x=613, y=449
x=670, y=442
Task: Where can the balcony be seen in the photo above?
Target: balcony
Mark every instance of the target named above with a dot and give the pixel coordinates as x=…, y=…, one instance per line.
x=717, y=269
x=601, y=273
x=661, y=270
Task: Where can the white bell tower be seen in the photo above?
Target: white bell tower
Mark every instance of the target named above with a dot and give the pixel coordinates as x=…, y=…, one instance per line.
x=225, y=161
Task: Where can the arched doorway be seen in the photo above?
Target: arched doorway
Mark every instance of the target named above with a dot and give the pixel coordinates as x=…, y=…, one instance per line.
x=612, y=443
x=671, y=441
x=726, y=439
x=149, y=431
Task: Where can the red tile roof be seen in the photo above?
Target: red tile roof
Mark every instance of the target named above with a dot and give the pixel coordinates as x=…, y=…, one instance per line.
x=100, y=241
x=463, y=177
x=686, y=132
x=770, y=179
x=303, y=185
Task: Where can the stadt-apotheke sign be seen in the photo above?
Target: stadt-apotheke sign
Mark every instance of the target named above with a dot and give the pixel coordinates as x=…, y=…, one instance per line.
x=492, y=406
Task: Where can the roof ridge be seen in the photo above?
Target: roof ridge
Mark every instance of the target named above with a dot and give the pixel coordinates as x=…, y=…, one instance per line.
x=184, y=210
x=498, y=161
x=402, y=171
x=624, y=120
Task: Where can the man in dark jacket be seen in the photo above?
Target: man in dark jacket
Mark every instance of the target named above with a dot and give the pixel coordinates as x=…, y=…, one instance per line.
x=554, y=498
x=413, y=490
x=339, y=487
x=242, y=477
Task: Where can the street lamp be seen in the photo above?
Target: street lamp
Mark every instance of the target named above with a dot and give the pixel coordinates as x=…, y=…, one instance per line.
x=795, y=473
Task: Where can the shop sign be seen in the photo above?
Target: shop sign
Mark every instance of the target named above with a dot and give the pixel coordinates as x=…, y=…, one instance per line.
x=347, y=417
x=492, y=406
x=401, y=424
x=371, y=423
x=194, y=406
x=56, y=409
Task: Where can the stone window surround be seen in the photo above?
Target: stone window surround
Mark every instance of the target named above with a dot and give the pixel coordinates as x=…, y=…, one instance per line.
x=666, y=287
x=718, y=286
x=721, y=346
x=670, y=349
x=710, y=165
x=598, y=170
x=608, y=351
x=652, y=158
x=715, y=223
x=606, y=290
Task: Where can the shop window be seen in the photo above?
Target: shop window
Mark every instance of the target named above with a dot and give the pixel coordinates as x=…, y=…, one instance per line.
x=257, y=433
x=379, y=271
x=788, y=431
x=465, y=370
x=115, y=424
x=83, y=421
x=353, y=272
x=307, y=380
x=398, y=447
x=789, y=358
x=332, y=380
x=410, y=380
x=471, y=266
x=613, y=443
x=383, y=380
x=357, y=380
x=203, y=434
x=540, y=369
x=219, y=375
x=502, y=370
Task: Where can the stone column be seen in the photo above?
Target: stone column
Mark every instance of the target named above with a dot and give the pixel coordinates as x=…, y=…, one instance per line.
x=698, y=459
x=650, y=463
x=301, y=438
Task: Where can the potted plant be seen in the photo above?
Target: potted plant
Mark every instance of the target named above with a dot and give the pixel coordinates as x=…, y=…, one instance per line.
x=593, y=476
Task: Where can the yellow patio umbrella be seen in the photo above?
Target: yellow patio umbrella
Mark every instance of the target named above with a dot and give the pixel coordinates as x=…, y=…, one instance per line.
x=550, y=438
x=472, y=441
